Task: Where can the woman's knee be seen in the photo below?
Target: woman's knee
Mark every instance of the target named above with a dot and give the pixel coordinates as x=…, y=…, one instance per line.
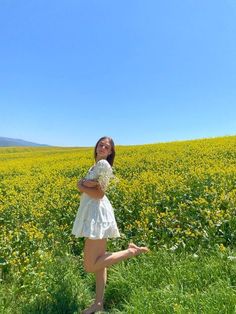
x=92, y=251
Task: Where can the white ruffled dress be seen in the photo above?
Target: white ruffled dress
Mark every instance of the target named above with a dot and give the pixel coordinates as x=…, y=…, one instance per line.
x=95, y=217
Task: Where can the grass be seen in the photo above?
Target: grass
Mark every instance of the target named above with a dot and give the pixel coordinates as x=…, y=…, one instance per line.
x=159, y=282
x=180, y=283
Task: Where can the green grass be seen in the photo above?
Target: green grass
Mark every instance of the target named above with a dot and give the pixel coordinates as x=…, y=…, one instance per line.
x=159, y=282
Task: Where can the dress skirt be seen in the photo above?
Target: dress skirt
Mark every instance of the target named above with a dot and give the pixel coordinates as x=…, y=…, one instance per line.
x=95, y=219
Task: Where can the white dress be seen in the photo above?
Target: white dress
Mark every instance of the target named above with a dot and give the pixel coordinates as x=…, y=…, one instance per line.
x=95, y=217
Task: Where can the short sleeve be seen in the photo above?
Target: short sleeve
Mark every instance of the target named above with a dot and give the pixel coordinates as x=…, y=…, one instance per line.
x=103, y=173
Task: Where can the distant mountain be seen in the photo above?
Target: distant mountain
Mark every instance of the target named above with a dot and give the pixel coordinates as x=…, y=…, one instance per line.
x=5, y=141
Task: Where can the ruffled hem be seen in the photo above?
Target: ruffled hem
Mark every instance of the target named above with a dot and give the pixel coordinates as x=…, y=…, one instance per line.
x=96, y=230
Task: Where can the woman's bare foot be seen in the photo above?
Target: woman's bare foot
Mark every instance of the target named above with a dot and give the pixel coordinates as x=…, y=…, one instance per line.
x=136, y=250
x=132, y=245
x=96, y=307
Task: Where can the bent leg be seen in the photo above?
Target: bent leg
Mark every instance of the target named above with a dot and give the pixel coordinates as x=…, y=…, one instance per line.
x=96, y=257
x=96, y=260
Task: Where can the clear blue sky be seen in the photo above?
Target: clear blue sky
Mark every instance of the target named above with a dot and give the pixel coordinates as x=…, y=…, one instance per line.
x=140, y=71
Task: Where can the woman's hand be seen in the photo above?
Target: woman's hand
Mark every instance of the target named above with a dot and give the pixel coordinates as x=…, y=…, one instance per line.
x=80, y=184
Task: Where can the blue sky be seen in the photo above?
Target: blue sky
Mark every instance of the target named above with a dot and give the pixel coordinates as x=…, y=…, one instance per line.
x=139, y=71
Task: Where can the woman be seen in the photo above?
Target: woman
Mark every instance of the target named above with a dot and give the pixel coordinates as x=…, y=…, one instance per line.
x=96, y=222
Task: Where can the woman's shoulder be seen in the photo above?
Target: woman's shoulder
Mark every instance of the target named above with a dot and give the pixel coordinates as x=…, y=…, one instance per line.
x=103, y=164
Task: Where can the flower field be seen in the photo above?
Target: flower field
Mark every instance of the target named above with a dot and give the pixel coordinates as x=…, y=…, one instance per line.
x=174, y=196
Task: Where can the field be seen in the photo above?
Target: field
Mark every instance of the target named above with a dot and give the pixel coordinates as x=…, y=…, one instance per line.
x=177, y=198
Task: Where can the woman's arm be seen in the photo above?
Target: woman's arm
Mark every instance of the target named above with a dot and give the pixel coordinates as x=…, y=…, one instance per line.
x=90, y=183
x=95, y=191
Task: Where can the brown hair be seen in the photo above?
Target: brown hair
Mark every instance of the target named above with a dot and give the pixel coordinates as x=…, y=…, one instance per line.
x=111, y=157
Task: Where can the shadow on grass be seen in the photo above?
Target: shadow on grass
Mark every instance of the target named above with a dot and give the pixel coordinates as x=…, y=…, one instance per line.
x=66, y=293
x=117, y=293
x=60, y=301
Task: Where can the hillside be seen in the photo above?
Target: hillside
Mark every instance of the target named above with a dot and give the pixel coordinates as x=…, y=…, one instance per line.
x=7, y=142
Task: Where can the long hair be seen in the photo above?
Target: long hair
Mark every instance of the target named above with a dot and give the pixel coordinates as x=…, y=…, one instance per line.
x=111, y=157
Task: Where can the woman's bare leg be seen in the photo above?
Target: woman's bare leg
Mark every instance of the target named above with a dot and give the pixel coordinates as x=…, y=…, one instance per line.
x=101, y=279
x=101, y=276
x=94, y=260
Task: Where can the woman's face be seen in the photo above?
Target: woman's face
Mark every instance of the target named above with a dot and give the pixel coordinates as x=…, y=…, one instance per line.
x=104, y=149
